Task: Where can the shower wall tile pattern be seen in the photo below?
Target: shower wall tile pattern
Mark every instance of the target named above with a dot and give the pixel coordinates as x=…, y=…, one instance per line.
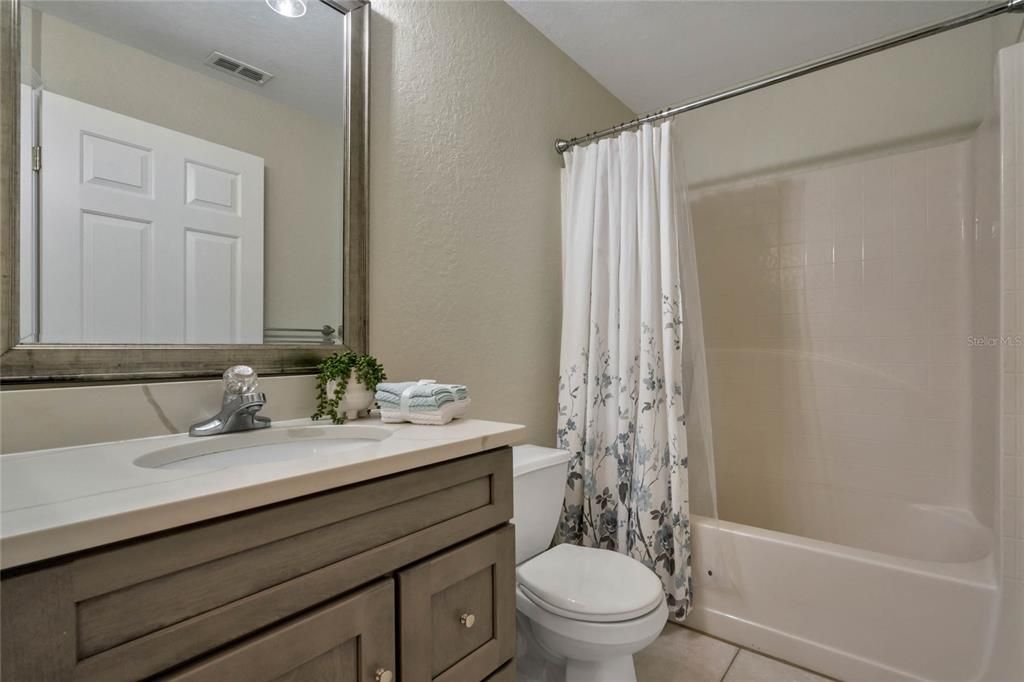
x=837, y=314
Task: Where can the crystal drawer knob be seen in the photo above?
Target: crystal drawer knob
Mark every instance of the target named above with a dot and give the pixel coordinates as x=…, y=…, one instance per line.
x=467, y=619
x=384, y=676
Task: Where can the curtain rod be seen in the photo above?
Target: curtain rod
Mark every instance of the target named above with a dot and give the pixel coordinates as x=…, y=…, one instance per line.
x=562, y=145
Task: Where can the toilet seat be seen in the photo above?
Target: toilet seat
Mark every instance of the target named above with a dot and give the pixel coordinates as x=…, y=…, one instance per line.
x=590, y=585
x=626, y=637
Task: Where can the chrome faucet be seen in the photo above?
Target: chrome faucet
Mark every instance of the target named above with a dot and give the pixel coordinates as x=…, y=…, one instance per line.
x=238, y=407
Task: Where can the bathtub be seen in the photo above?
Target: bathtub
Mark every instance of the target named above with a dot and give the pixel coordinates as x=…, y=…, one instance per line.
x=852, y=612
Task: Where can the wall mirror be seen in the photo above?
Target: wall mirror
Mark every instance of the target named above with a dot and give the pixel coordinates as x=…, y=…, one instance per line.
x=184, y=186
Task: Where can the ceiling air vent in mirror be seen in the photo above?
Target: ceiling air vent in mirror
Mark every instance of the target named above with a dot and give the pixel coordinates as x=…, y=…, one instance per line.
x=238, y=68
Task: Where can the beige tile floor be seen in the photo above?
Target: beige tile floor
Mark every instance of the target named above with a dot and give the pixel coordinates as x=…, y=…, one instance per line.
x=684, y=655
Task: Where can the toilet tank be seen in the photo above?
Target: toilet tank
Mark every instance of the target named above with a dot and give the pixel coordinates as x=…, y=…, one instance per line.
x=538, y=489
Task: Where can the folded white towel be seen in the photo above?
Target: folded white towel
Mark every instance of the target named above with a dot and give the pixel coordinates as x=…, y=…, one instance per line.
x=438, y=417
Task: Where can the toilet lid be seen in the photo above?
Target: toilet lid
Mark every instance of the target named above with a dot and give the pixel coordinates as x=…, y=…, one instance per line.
x=590, y=584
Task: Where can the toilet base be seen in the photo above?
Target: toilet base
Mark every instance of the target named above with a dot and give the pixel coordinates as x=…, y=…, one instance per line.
x=534, y=663
x=619, y=669
x=535, y=666
x=555, y=649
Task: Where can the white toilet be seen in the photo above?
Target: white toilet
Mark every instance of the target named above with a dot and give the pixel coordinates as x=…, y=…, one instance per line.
x=583, y=612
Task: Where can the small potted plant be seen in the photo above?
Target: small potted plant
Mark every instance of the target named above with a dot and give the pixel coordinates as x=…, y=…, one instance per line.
x=345, y=385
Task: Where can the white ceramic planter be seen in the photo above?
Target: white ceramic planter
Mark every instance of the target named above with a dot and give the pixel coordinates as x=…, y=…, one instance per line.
x=357, y=398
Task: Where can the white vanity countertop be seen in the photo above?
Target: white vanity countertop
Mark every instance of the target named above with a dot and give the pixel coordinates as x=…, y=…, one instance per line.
x=54, y=502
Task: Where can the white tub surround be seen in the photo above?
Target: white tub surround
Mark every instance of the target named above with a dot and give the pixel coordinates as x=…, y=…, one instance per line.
x=59, y=501
x=1008, y=654
x=851, y=306
x=848, y=612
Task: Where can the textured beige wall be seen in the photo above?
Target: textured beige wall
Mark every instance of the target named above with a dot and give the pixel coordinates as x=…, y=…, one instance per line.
x=464, y=206
x=467, y=100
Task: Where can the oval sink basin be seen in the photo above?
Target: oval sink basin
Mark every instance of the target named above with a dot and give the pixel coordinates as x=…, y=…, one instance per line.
x=266, y=446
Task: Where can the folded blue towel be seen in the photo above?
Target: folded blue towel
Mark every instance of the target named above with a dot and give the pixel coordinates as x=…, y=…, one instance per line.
x=425, y=409
x=423, y=390
x=429, y=403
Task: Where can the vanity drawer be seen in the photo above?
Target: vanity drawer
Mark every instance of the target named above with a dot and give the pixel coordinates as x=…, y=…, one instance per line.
x=465, y=599
x=348, y=640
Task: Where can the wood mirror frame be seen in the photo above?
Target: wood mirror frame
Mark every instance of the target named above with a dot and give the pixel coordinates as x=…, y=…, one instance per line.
x=40, y=362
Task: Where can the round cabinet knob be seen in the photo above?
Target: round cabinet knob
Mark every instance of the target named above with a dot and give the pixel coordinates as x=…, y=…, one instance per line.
x=467, y=619
x=384, y=675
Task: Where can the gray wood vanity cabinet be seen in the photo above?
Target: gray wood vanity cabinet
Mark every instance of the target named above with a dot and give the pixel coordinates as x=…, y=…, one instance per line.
x=407, y=577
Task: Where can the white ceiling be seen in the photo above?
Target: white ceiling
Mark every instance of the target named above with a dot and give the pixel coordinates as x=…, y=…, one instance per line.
x=654, y=54
x=305, y=54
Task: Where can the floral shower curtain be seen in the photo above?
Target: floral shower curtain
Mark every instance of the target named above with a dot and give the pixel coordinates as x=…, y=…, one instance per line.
x=621, y=412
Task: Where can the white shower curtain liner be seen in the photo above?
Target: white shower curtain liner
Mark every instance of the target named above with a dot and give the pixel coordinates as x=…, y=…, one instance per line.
x=626, y=364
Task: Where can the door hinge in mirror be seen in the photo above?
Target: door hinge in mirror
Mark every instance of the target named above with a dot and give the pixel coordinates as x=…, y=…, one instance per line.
x=37, y=158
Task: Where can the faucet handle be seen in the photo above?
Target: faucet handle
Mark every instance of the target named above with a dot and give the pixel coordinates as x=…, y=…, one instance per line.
x=239, y=380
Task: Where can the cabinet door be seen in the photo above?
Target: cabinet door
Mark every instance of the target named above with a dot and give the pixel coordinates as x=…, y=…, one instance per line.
x=457, y=611
x=348, y=640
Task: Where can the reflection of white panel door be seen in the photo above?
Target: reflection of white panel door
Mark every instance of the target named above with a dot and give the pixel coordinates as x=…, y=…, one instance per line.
x=147, y=235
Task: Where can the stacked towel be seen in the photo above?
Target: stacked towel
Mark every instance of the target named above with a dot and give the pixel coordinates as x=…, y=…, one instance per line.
x=438, y=417
x=421, y=402
x=423, y=387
